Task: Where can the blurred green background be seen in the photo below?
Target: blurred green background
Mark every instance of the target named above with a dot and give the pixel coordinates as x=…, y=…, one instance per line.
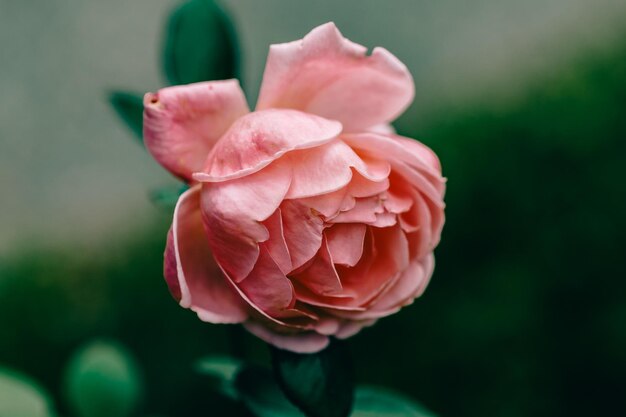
x=525, y=103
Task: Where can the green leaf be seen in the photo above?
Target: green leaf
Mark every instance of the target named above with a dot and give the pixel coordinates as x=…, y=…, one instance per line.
x=129, y=107
x=224, y=369
x=200, y=44
x=376, y=402
x=102, y=380
x=21, y=397
x=261, y=394
x=320, y=384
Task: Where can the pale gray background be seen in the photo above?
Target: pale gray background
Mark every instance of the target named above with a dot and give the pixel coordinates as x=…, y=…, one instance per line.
x=71, y=175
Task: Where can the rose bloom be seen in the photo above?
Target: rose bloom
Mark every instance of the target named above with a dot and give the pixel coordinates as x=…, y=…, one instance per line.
x=308, y=217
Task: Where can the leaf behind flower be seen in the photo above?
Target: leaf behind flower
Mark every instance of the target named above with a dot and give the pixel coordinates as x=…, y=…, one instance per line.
x=200, y=44
x=129, y=107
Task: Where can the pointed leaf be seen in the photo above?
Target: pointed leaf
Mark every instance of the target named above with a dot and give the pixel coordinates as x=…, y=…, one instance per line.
x=129, y=107
x=259, y=391
x=102, y=380
x=200, y=44
x=320, y=384
x=21, y=397
x=376, y=402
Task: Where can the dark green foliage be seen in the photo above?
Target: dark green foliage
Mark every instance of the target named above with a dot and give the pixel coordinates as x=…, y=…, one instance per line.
x=320, y=384
x=262, y=395
x=376, y=402
x=129, y=107
x=200, y=44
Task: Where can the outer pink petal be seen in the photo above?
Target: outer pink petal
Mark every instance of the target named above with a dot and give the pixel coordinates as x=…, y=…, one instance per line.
x=326, y=74
x=191, y=272
x=182, y=123
x=305, y=342
x=233, y=212
x=351, y=327
x=259, y=138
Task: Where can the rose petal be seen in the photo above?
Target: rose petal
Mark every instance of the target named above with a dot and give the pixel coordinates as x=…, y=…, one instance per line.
x=276, y=244
x=328, y=325
x=383, y=128
x=395, y=148
x=396, y=203
x=182, y=123
x=364, y=211
x=267, y=287
x=363, y=187
x=410, y=285
x=345, y=243
x=350, y=328
x=329, y=204
x=258, y=138
x=305, y=342
x=326, y=74
x=303, y=231
x=386, y=254
x=233, y=212
x=384, y=220
x=327, y=168
x=321, y=276
x=191, y=271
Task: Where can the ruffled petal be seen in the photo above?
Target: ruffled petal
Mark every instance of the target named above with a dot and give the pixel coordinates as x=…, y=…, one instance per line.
x=407, y=151
x=191, y=272
x=182, y=123
x=364, y=211
x=328, y=75
x=259, y=138
x=233, y=212
x=328, y=168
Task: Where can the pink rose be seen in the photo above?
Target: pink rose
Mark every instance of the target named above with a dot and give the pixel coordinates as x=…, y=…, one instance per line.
x=308, y=217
